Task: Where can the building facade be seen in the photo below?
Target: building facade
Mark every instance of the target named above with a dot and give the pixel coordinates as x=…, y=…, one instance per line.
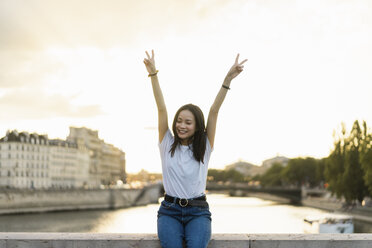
x=107, y=163
x=35, y=162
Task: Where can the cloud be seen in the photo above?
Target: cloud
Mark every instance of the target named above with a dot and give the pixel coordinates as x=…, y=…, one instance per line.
x=35, y=104
x=26, y=69
x=33, y=24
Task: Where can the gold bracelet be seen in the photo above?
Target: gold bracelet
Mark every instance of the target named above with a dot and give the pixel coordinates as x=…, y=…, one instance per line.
x=154, y=74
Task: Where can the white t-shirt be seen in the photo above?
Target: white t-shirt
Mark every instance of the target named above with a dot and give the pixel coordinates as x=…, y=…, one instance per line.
x=183, y=176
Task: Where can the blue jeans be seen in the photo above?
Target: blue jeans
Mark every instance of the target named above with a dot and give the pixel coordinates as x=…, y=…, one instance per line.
x=176, y=223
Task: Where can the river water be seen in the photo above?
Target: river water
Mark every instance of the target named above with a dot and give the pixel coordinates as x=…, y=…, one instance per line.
x=229, y=215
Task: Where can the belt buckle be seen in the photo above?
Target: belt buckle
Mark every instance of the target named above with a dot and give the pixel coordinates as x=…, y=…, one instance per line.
x=181, y=204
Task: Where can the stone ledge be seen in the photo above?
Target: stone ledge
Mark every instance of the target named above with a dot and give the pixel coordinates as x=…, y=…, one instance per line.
x=108, y=240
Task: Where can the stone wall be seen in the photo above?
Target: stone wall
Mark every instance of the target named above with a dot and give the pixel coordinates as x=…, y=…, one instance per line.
x=85, y=240
x=26, y=201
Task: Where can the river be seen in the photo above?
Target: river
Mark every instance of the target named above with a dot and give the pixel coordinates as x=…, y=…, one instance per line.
x=229, y=215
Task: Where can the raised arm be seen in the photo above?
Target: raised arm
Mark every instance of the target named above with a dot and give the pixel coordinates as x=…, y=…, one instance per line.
x=213, y=112
x=162, y=110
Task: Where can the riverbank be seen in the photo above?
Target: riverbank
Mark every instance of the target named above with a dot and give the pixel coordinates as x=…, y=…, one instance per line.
x=35, y=201
x=329, y=204
x=333, y=205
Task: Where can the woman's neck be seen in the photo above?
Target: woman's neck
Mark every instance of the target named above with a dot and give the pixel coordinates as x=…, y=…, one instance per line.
x=185, y=142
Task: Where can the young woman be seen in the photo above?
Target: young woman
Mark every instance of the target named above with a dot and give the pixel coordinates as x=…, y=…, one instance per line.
x=184, y=214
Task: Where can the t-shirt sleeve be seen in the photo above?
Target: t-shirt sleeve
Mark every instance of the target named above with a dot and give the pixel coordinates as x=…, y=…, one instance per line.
x=164, y=145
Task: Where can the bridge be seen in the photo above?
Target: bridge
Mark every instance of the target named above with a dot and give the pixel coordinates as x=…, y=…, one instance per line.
x=294, y=195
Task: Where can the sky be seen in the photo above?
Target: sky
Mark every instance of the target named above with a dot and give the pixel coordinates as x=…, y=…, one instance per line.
x=80, y=63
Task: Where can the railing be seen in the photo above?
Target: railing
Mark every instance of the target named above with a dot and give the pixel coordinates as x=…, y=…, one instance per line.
x=85, y=240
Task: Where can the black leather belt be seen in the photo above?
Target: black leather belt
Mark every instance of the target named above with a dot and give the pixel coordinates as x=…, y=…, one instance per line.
x=194, y=202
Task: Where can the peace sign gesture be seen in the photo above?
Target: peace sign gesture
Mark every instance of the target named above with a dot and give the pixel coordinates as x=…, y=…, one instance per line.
x=236, y=68
x=150, y=62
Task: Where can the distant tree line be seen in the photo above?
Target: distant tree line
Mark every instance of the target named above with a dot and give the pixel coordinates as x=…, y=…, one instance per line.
x=346, y=172
x=231, y=175
x=298, y=172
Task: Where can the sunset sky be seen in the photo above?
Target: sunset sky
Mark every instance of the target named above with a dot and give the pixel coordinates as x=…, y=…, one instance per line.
x=80, y=63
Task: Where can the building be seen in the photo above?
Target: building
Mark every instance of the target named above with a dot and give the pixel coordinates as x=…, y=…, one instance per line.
x=36, y=162
x=24, y=160
x=107, y=163
x=278, y=159
x=68, y=165
x=245, y=168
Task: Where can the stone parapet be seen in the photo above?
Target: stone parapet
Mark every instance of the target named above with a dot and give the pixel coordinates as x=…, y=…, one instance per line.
x=30, y=201
x=85, y=240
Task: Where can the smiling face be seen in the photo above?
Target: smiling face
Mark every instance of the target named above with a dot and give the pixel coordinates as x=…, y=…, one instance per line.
x=185, y=126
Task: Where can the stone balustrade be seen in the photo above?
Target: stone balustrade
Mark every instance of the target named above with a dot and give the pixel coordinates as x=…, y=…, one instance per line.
x=93, y=240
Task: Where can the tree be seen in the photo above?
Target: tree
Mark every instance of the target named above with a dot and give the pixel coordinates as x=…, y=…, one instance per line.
x=343, y=168
x=366, y=158
x=301, y=171
x=335, y=165
x=273, y=176
x=319, y=173
x=225, y=175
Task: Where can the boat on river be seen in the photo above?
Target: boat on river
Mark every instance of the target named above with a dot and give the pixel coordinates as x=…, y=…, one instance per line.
x=329, y=223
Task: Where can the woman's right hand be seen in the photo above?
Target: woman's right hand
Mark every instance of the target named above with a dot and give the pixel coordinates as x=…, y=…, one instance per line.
x=150, y=63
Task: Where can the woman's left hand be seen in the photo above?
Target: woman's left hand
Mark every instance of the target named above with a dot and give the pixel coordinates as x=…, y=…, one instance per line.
x=236, y=69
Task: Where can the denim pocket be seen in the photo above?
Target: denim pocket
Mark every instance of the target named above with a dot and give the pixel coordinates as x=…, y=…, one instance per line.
x=167, y=205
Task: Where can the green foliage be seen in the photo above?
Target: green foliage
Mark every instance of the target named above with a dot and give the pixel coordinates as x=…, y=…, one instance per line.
x=366, y=158
x=319, y=171
x=273, y=176
x=344, y=170
x=301, y=171
x=225, y=176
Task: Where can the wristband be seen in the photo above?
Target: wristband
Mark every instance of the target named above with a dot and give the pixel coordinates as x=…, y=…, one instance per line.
x=226, y=87
x=154, y=74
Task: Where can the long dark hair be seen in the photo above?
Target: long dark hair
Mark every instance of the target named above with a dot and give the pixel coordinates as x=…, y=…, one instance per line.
x=199, y=139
